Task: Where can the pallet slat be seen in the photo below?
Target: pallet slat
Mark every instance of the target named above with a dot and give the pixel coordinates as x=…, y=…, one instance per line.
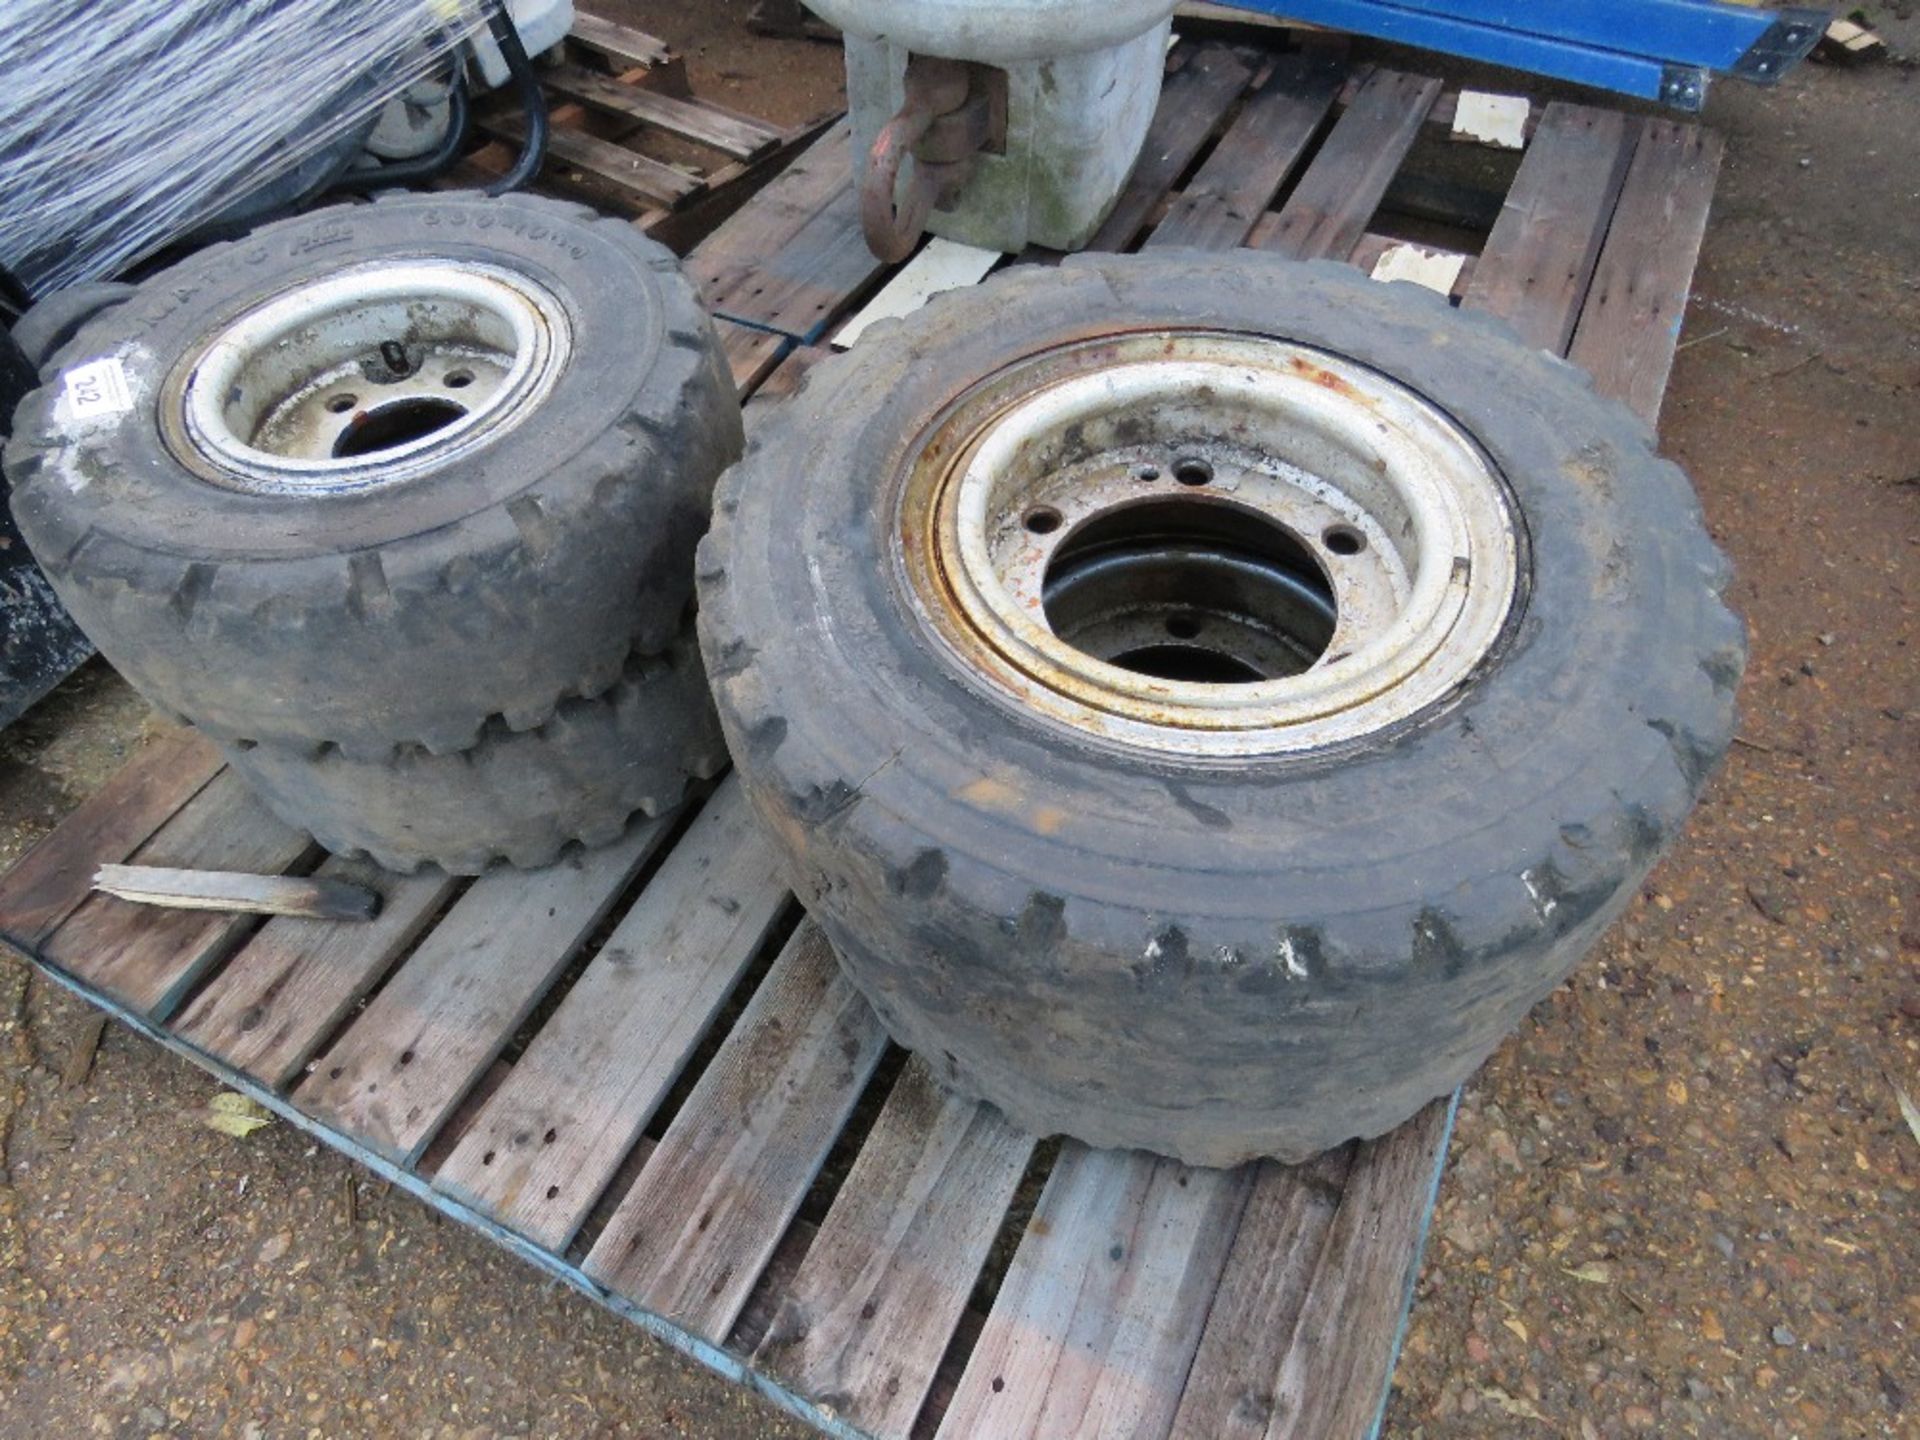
x=1237, y=182
x=747, y=238
x=820, y=269
x=1329, y=209
x=1229, y=1391
x=52, y=879
x=1334, y=1377
x=1537, y=264
x=621, y=42
x=742, y=138
x=625, y=169
x=448, y=1012
x=751, y=354
x=276, y=1001
x=1630, y=328
x=150, y=958
x=544, y=1147
x=789, y=261
x=1192, y=101
x=697, y=1228
x=1098, y=1318
x=863, y=1326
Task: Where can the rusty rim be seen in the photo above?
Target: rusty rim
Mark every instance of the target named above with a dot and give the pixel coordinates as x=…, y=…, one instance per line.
x=368, y=377
x=1208, y=544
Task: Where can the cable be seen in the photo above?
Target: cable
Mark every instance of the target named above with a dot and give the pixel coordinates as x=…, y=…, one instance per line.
x=533, y=100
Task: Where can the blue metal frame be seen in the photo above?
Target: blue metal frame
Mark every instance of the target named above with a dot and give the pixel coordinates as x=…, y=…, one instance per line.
x=1661, y=50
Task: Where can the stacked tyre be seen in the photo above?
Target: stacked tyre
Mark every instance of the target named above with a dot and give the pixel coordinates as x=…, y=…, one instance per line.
x=1206, y=700
x=398, y=502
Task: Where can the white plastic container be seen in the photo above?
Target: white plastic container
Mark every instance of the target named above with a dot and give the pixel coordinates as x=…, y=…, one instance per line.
x=542, y=24
x=1082, y=82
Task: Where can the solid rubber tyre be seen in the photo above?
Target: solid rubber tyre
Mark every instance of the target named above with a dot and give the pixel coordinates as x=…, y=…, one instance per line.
x=517, y=797
x=1213, y=958
x=491, y=588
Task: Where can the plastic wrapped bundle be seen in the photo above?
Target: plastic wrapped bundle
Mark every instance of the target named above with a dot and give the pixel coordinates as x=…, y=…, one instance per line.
x=125, y=127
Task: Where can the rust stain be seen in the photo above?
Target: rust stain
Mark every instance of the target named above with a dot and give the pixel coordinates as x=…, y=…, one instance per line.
x=987, y=791
x=1047, y=819
x=1326, y=379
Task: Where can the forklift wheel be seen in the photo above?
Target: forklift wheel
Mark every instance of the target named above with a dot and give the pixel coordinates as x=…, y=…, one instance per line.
x=383, y=476
x=1207, y=699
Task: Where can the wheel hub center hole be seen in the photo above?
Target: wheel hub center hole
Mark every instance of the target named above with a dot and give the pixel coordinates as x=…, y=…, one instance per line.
x=397, y=423
x=1192, y=590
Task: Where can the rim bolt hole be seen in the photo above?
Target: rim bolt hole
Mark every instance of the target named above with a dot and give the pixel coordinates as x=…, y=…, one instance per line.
x=340, y=404
x=1042, y=520
x=1343, y=540
x=1183, y=627
x=1147, y=472
x=459, y=379
x=1192, y=470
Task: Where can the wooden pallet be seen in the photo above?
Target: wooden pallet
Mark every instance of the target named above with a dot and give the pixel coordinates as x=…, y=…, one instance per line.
x=629, y=136
x=640, y=1069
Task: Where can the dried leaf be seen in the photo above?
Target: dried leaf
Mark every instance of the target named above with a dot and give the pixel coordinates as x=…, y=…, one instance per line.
x=1909, y=1111
x=1515, y=1406
x=1517, y=1328
x=234, y=1114
x=1593, y=1272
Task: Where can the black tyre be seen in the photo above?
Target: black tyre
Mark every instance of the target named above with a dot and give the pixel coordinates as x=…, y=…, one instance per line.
x=1056, y=631
x=384, y=474
x=515, y=796
x=51, y=323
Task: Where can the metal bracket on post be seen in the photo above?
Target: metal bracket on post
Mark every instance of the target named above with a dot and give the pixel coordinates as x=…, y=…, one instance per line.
x=1684, y=88
x=1785, y=43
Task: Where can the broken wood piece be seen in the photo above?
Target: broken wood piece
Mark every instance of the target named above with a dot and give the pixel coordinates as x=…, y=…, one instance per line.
x=310, y=897
x=1846, y=43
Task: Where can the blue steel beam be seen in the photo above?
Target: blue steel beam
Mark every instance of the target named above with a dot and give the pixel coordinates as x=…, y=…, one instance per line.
x=1657, y=49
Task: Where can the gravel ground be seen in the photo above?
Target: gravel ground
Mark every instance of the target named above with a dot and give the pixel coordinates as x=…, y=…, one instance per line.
x=1681, y=1200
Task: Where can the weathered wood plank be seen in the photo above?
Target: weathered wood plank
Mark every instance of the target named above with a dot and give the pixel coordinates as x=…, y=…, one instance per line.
x=802, y=289
x=1192, y=101
x=751, y=354
x=758, y=229
x=398, y=1071
x=1337, y=1367
x=1275, y=1257
x=863, y=1326
x=622, y=42
x=1099, y=1316
x=1630, y=328
x=149, y=959
x=51, y=880
x=795, y=256
x=628, y=170
x=283, y=993
x=694, y=1233
x=1329, y=209
x=1538, y=262
x=542, y=1151
x=735, y=135
x=1237, y=182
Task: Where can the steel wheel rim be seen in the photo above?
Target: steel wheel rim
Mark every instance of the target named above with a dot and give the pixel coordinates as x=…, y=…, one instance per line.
x=1328, y=478
x=365, y=378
